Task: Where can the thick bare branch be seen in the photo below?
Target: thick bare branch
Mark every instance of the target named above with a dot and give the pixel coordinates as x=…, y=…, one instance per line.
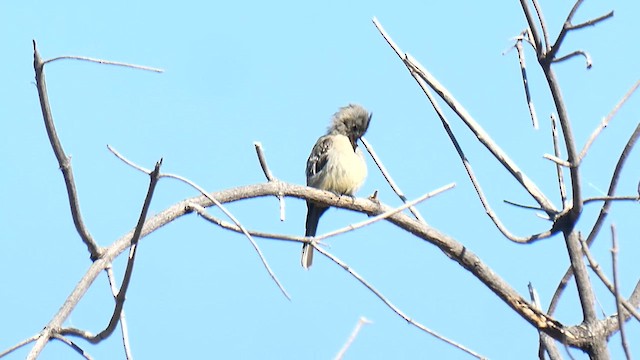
x=64, y=161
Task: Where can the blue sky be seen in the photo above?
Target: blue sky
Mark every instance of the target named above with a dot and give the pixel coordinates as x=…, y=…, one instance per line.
x=239, y=72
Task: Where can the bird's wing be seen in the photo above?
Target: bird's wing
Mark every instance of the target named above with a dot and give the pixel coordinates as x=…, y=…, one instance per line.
x=318, y=157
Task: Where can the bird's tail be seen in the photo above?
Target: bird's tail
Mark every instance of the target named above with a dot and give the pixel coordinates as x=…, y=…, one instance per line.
x=314, y=212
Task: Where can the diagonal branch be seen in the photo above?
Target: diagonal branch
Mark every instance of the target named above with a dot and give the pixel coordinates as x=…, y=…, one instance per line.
x=484, y=138
x=394, y=308
x=606, y=120
x=122, y=293
x=389, y=179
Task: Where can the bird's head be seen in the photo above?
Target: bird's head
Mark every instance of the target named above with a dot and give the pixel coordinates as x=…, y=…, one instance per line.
x=351, y=121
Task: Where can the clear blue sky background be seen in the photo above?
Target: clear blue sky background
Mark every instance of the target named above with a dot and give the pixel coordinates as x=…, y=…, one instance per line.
x=239, y=72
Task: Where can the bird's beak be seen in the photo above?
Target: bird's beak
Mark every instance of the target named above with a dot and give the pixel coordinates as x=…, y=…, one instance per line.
x=354, y=141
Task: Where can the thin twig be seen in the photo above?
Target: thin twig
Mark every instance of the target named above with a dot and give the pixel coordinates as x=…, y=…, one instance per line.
x=19, y=345
x=529, y=207
x=612, y=198
x=592, y=21
x=105, y=62
x=557, y=153
x=387, y=176
x=223, y=209
x=73, y=345
x=525, y=82
x=543, y=25
x=233, y=227
x=267, y=173
x=123, y=319
x=64, y=161
x=606, y=120
x=557, y=160
x=587, y=57
x=533, y=29
x=361, y=322
x=385, y=214
x=395, y=309
x=616, y=287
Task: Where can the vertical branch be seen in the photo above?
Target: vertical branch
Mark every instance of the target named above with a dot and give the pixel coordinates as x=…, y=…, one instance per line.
x=556, y=152
x=525, y=82
x=616, y=286
x=63, y=160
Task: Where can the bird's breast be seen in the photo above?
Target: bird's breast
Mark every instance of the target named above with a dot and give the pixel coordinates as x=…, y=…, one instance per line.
x=345, y=170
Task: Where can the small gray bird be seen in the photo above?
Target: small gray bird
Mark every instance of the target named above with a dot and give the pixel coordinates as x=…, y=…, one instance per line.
x=335, y=164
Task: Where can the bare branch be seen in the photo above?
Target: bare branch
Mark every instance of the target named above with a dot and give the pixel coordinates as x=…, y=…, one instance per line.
x=557, y=153
x=546, y=342
x=105, y=62
x=394, y=308
x=612, y=198
x=525, y=82
x=73, y=345
x=533, y=28
x=597, y=269
x=64, y=161
x=592, y=21
x=123, y=320
x=19, y=345
x=604, y=211
x=385, y=214
x=419, y=72
x=229, y=226
x=361, y=322
x=267, y=173
x=389, y=179
x=613, y=184
x=616, y=288
x=122, y=293
x=543, y=25
x=568, y=26
x=587, y=57
x=223, y=209
x=606, y=120
x=557, y=160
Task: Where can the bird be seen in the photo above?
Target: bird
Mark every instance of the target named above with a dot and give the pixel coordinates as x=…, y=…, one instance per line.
x=335, y=164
